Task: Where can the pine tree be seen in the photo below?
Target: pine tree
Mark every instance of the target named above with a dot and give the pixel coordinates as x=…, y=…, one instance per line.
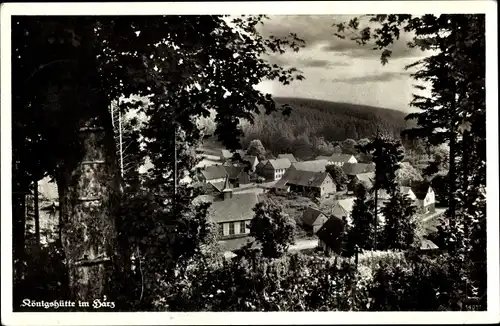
x=363, y=230
x=454, y=113
x=386, y=154
x=400, y=223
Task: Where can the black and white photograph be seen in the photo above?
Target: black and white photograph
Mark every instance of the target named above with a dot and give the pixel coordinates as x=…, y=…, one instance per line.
x=247, y=160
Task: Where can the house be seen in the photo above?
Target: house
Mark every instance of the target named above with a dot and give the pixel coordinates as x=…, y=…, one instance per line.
x=237, y=175
x=425, y=197
x=213, y=174
x=307, y=183
x=363, y=178
x=253, y=161
x=353, y=169
x=340, y=159
x=233, y=214
x=343, y=208
x=330, y=235
x=275, y=169
x=322, y=157
x=259, y=167
x=384, y=195
x=313, y=219
x=290, y=157
x=312, y=166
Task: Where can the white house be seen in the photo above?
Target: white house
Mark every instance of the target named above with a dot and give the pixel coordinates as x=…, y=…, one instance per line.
x=340, y=159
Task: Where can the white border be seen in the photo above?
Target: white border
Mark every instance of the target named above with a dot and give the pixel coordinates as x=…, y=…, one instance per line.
x=316, y=7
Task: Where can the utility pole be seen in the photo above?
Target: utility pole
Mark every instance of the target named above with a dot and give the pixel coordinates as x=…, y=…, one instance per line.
x=121, y=137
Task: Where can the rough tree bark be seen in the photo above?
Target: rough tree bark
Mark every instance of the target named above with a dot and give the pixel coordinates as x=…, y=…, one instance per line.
x=88, y=184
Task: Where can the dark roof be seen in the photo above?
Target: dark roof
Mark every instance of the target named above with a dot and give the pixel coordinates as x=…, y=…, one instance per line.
x=214, y=172
x=262, y=163
x=280, y=163
x=302, y=178
x=331, y=232
x=340, y=157
x=233, y=171
x=219, y=186
x=238, y=208
x=358, y=168
x=290, y=157
x=311, y=215
x=420, y=189
x=313, y=166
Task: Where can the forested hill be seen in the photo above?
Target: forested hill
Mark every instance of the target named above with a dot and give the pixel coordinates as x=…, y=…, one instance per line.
x=313, y=119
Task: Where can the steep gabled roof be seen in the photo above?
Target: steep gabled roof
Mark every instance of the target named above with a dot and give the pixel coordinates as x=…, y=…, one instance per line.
x=366, y=177
x=358, y=168
x=331, y=232
x=290, y=157
x=302, y=178
x=253, y=160
x=238, y=208
x=233, y=171
x=420, y=189
x=313, y=166
x=346, y=204
x=280, y=163
x=310, y=216
x=214, y=172
x=340, y=157
x=262, y=163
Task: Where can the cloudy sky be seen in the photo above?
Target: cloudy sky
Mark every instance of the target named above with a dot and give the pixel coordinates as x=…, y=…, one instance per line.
x=341, y=70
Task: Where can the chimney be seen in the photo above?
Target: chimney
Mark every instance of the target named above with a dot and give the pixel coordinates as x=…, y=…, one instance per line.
x=227, y=192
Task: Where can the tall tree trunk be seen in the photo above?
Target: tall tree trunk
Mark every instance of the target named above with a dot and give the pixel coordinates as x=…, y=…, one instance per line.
x=88, y=185
x=36, y=215
x=18, y=230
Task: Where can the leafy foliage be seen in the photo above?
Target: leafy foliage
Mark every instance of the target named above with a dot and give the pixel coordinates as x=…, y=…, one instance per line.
x=272, y=228
x=255, y=148
x=338, y=175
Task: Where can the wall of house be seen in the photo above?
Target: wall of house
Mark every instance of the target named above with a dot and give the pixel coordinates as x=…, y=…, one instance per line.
x=319, y=223
x=278, y=173
x=244, y=178
x=215, y=180
x=226, y=228
x=352, y=160
x=268, y=173
x=328, y=187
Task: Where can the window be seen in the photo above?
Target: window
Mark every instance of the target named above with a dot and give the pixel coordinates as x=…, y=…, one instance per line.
x=243, y=227
x=231, y=228
x=221, y=229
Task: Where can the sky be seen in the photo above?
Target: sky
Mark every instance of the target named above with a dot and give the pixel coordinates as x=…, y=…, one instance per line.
x=341, y=70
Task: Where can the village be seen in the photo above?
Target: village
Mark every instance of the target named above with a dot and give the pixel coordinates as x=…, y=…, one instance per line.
x=234, y=182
